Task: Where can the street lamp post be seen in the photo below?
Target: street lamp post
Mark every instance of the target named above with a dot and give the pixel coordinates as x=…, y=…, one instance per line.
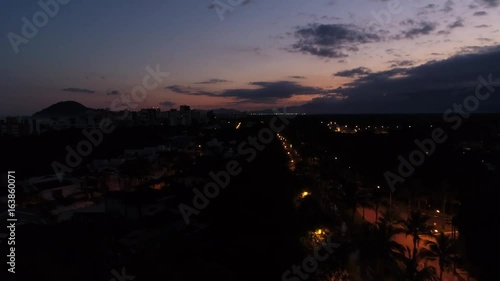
x=390, y=197
x=390, y=200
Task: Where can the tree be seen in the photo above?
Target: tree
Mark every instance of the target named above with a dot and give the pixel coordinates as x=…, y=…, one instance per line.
x=390, y=217
x=444, y=250
x=353, y=197
x=364, y=201
x=416, y=225
x=379, y=251
x=377, y=198
x=410, y=268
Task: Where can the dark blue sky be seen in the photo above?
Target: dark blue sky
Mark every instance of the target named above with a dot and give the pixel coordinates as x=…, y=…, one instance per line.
x=322, y=55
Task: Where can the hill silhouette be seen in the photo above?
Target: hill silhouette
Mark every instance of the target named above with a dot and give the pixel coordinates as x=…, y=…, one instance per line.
x=63, y=109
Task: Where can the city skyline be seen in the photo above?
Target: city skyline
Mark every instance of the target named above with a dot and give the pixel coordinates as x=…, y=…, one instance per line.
x=323, y=56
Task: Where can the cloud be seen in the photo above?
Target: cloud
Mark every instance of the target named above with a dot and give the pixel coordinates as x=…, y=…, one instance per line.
x=423, y=28
x=263, y=92
x=480, y=13
x=432, y=87
x=489, y=3
x=167, y=104
x=331, y=40
x=297, y=77
x=448, y=6
x=189, y=91
x=213, y=81
x=338, y=40
x=78, y=90
x=113, y=93
x=485, y=40
x=458, y=23
x=353, y=72
x=271, y=91
x=401, y=63
x=482, y=26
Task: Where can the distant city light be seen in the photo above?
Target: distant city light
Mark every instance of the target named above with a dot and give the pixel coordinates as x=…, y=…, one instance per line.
x=304, y=194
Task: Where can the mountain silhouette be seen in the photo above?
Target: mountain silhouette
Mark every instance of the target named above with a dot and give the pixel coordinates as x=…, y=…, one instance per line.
x=63, y=109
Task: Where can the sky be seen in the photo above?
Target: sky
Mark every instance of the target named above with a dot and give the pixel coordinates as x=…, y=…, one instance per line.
x=316, y=56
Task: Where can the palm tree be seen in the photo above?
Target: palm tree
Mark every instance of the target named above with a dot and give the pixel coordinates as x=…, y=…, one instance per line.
x=378, y=198
x=428, y=273
x=444, y=250
x=454, y=226
x=410, y=268
x=379, y=251
x=352, y=197
x=390, y=217
x=416, y=225
x=364, y=201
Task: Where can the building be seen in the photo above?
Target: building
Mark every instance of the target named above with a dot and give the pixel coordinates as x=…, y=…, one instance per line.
x=50, y=188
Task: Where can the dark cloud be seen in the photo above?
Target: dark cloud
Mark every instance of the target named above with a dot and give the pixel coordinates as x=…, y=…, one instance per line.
x=297, y=77
x=167, y=104
x=422, y=28
x=331, y=40
x=401, y=63
x=408, y=22
x=189, y=91
x=485, y=40
x=448, y=6
x=480, y=13
x=482, y=26
x=432, y=87
x=353, y=72
x=428, y=9
x=338, y=40
x=458, y=23
x=265, y=92
x=268, y=92
x=213, y=81
x=489, y=3
x=78, y=90
x=113, y=93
